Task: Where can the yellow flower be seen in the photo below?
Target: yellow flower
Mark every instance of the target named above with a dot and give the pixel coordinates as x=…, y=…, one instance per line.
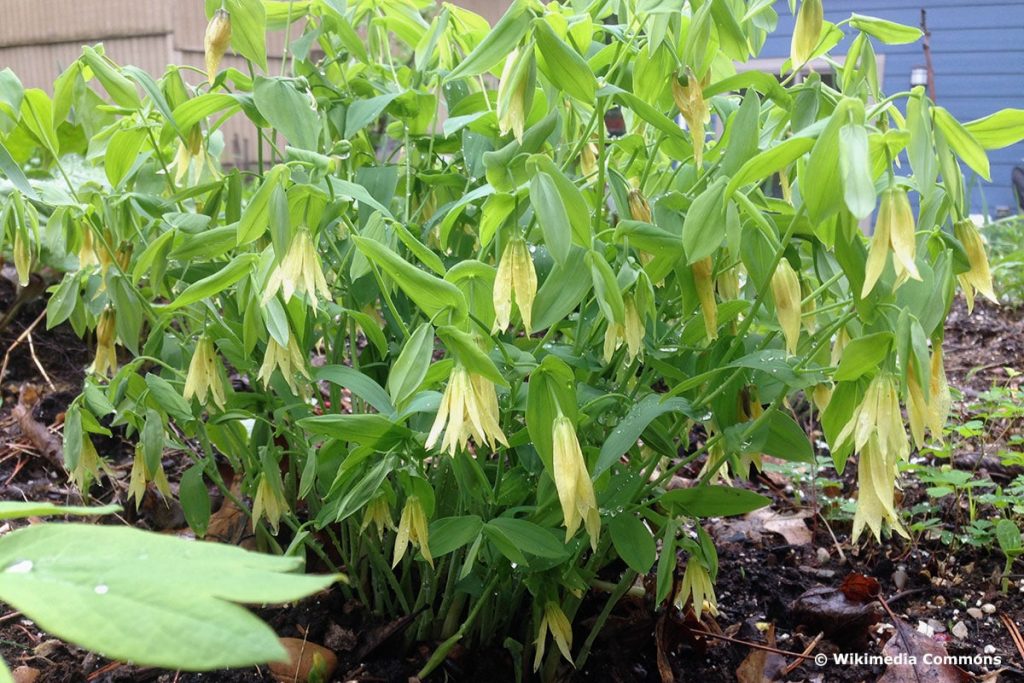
x=702, y=279
x=469, y=407
x=22, y=257
x=515, y=92
x=697, y=589
x=216, y=41
x=188, y=152
x=141, y=475
x=378, y=513
x=412, y=528
x=939, y=401
x=588, y=159
x=268, y=502
x=894, y=230
x=631, y=331
x=288, y=359
x=876, y=428
x=978, y=278
x=89, y=466
x=555, y=621
x=87, y=251
x=690, y=101
x=786, y=293
x=204, y=375
x=106, y=351
x=299, y=272
x=806, y=33
x=573, y=483
x=822, y=396
x=516, y=275
x=639, y=209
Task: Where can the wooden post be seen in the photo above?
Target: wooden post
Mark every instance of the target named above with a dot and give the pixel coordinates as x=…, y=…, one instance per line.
x=927, y=46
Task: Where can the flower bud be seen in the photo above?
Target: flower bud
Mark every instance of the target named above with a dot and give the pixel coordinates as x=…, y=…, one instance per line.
x=697, y=589
x=268, y=502
x=216, y=41
x=691, y=104
x=639, y=209
x=555, y=621
x=22, y=256
x=515, y=91
x=705, y=284
x=806, y=33
x=978, y=278
x=786, y=293
x=105, y=362
x=516, y=276
x=204, y=375
x=377, y=513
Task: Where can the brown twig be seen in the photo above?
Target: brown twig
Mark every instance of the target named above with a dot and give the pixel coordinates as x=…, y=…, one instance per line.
x=1018, y=639
x=21, y=337
x=807, y=651
x=756, y=646
x=899, y=631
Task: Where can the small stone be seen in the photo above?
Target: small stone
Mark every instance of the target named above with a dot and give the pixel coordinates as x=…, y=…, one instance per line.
x=960, y=631
x=823, y=556
x=990, y=649
x=899, y=578
x=937, y=626
x=975, y=612
x=988, y=608
x=925, y=629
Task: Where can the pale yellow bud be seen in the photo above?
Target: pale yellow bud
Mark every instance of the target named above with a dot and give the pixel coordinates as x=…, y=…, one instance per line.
x=822, y=396
x=216, y=41
x=555, y=621
x=105, y=362
x=516, y=277
x=22, y=257
x=705, y=285
x=268, y=502
x=697, y=590
x=515, y=92
x=204, y=375
x=412, y=529
x=639, y=209
x=786, y=293
x=691, y=104
x=377, y=513
x=807, y=32
x=939, y=399
x=633, y=330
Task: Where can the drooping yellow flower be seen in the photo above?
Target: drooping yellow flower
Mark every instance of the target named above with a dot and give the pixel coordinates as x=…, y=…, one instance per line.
x=588, y=159
x=106, y=350
x=555, y=621
x=22, y=257
x=141, y=475
x=412, y=528
x=573, y=483
x=639, y=209
x=786, y=293
x=692, y=105
x=299, y=272
x=288, y=359
x=268, y=502
x=631, y=331
x=377, y=513
x=89, y=466
x=697, y=589
x=216, y=41
x=469, y=408
x=515, y=91
x=187, y=152
x=516, y=276
x=806, y=33
x=204, y=375
x=876, y=428
x=979, y=277
x=939, y=400
x=87, y=251
x=822, y=396
x=704, y=282
x=894, y=231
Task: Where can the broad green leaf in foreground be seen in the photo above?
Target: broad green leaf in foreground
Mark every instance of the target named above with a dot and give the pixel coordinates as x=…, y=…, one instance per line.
x=149, y=599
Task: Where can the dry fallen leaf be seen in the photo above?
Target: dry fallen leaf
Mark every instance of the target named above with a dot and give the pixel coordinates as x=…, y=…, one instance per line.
x=762, y=666
x=792, y=528
x=306, y=662
x=920, y=653
x=828, y=610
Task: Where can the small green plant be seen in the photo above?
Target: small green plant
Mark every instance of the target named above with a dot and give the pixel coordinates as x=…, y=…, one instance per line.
x=1009, y=539
x=452, y=334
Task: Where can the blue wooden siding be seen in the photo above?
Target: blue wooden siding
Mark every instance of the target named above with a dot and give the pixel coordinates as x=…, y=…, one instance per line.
x=978, y=56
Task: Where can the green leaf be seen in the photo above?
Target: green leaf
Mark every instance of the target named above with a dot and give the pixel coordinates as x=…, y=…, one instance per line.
x=451, y=533
x=962, y=142
x=359, y=384
x=1008, y=536
x=629, y=428
x=771, y=160
x=633, y=542
x=855, y=168
x=431, y=294
x=288, y=111
x=168, y=398
x=189, y=113
x=122, y=152
x=562, y=65
x=234, y=271
x=37, y=117
x=527, y=537
x=563, y=289
x=496, y=45
x=785, y=439
x=551, y=214
x=995, y=131
x=366, y=429
x=410, y=368
x=195, y=499
x=704, y=226
x=863, y=355
x=118, y=590
x=465, y=347
x=121, y=90
x=256, y=217
x=152, y=440
x=886, y=31
x=21, y=509
x=10, y=169
x=713, y=501
x=249, y=30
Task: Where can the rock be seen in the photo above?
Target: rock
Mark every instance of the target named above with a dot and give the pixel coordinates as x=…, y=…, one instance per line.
x=937, y=626
x=960, y=631
x=306, y=662
x=340, y=639
x=899, y=578
x=975, y=613
x=988, y=608
x=823, y=556
x=990, y=649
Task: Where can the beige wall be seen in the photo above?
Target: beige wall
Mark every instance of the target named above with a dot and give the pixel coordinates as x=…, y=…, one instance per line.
x=39, y=38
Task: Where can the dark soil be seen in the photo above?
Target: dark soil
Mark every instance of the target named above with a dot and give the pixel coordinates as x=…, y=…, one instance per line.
x=927, y=583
